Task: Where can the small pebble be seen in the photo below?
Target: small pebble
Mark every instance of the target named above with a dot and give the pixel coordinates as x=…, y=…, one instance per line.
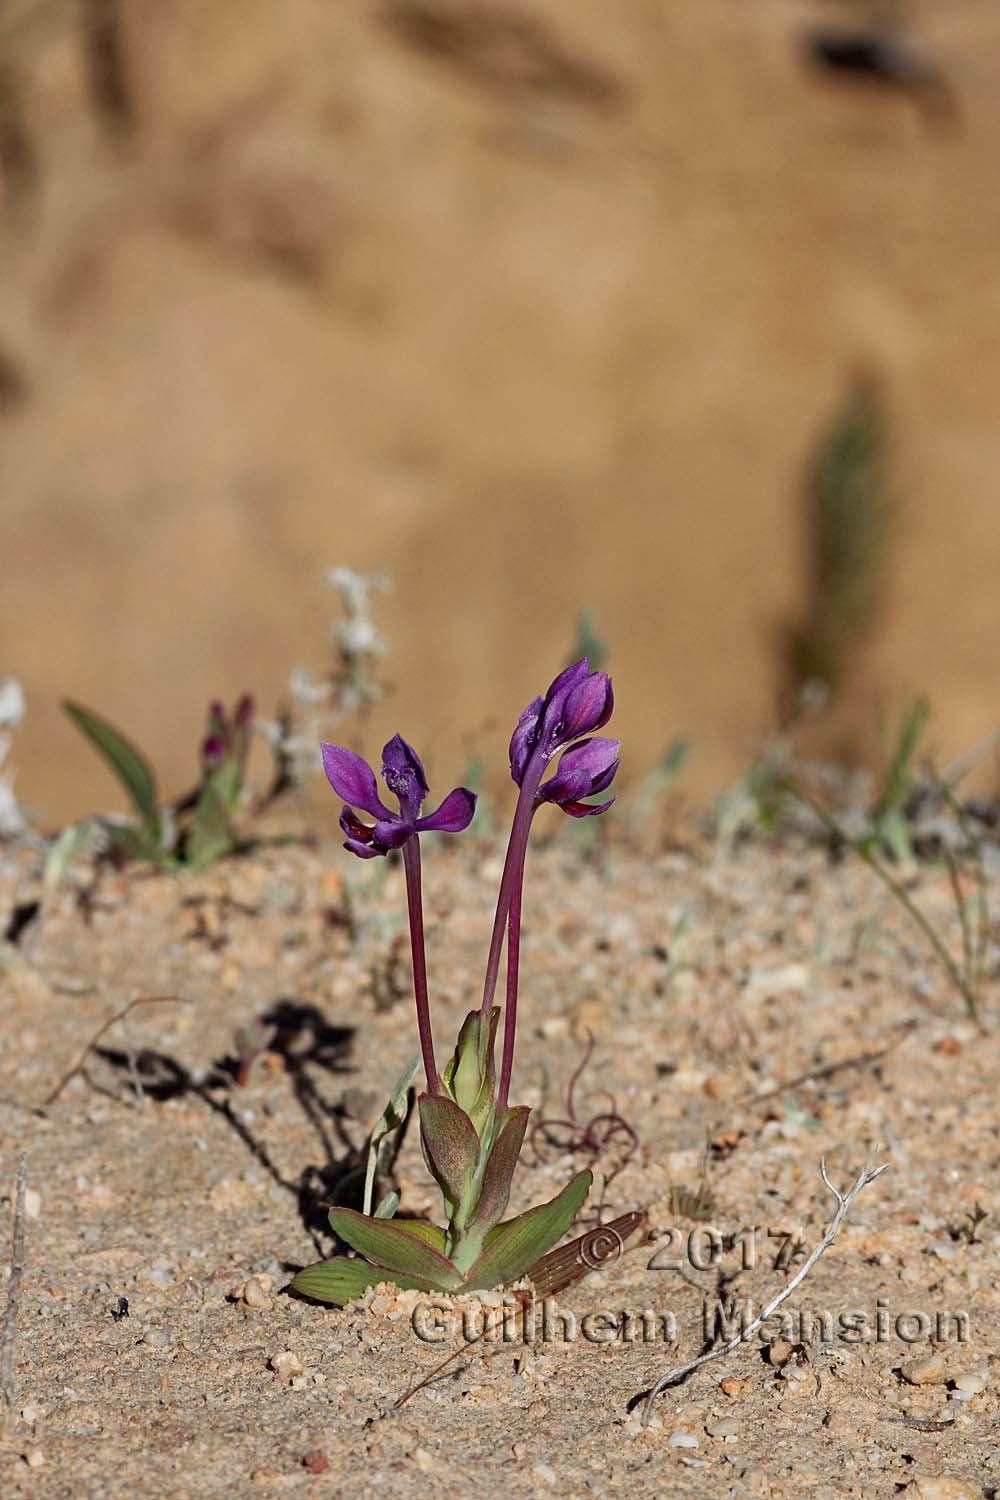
x=315, y=1461
x=35, y=1458
x=682, y=1440
x=423, y=1460
x=726, y=1428
x=32, y=1208
x=157, y=1338
x=730, y=1386
x=544, y=1473
x=254, y=1294
x=779, y=1352
x=926, y=1371
x=287, y=1364
x=970, y=1382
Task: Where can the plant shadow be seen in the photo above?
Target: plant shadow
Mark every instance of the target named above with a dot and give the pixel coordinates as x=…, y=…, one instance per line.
x=306, y=1042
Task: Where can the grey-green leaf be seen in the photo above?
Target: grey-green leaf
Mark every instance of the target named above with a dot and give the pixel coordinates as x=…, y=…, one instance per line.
x=385, y=1242
x=128, y=763
x=516, y=1245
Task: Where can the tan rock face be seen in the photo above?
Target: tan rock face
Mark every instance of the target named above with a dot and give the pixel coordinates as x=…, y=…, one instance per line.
x=534, y=335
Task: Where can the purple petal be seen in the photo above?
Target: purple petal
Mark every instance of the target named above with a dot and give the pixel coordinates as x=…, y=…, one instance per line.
x=404, y=774
x=392, y=833
x=353, y=779
x=567, y=680
x=552, y=732
x=523, y=740
x=244, y=712
x=585, y=768
x=455, y=813
x=363, y=851
x=353, y=826
x=586, y=809
x=588, y=706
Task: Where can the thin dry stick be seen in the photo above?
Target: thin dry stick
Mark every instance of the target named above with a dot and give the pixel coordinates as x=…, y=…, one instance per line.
x=868, y=1174
x=523, y=1298
x=827, y=1070
x=968, y=942
x=13, y=1290
x=101, y=1030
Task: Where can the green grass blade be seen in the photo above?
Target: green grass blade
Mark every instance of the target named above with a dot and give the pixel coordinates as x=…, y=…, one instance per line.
x=128, y=763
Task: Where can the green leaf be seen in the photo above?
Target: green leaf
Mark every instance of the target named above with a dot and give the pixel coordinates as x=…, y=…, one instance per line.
x=389, y=1120
x=340, y=1280
x=385, y=1242
x=428, y=1234
x=451, y=1148
x=388, y=1206
x=211, y=835
x=516, y=1245
x=468, y=1075
x=127, y=762
x=500, y=1169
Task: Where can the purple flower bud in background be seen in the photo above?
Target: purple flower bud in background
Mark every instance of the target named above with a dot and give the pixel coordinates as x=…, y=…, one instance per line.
x=213, y=752
x=218, y=724
x=354, y=780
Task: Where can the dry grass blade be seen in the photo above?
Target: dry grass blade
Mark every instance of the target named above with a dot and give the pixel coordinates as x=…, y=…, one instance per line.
x=105, y=1027
x=7, y=1387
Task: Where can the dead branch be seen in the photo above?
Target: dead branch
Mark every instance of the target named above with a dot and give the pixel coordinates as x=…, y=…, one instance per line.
x=867, y=1175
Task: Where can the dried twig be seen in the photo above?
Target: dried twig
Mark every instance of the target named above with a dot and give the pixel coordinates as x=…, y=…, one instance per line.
x=827, y=1070
x=13, y=1290
x=100, y=1032
x=867, y=1175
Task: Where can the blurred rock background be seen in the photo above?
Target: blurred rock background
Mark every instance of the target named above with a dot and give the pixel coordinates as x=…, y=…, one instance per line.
x=539, y=306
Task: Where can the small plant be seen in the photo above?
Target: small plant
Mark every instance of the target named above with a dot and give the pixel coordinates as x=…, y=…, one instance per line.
x=890, y=817
x=195, y=829
x=849, y=519
x=471, y=1135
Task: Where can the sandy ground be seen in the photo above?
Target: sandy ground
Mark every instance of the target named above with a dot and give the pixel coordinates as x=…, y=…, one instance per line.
x=707, y=979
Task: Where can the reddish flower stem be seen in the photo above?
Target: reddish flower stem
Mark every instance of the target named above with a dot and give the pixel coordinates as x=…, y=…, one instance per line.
x=513, y=965
x=414, y=908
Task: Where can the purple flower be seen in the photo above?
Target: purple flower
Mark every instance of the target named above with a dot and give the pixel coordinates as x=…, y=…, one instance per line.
x=578, y=702
x=353, y=779
x=227, y=736
x=584, y=769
